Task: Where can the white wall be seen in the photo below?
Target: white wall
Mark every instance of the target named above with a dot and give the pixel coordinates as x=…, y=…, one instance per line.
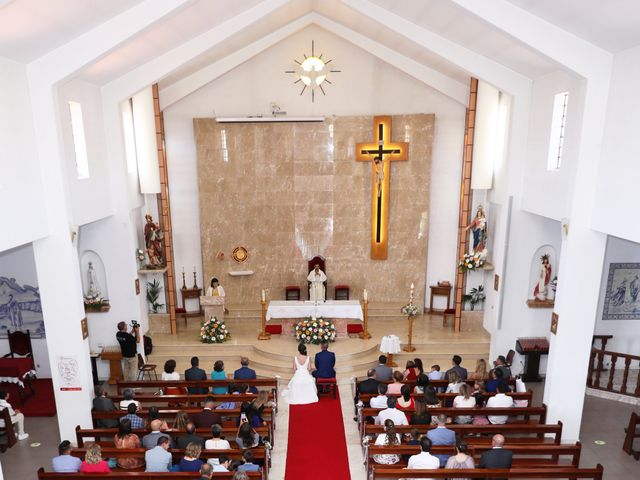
x=615, y=204
x=24, y=212
x=366, y=86
x=90, y=197
x=626, y=333
x=545, y=192
x=19, y=263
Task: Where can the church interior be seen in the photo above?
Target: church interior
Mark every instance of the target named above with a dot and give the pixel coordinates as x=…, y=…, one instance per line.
x=419, y=179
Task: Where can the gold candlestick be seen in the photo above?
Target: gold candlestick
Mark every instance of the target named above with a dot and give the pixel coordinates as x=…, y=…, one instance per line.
x=365, y=335
x=263, y=333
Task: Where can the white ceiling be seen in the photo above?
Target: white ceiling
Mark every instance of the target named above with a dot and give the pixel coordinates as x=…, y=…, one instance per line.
x=612, y=24
x=31, y=28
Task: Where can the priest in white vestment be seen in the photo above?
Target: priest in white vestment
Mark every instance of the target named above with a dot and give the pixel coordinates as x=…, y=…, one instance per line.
x=317, y=279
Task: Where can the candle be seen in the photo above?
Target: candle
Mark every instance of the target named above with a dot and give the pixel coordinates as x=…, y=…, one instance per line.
x=412, y=286
x=183, y=269
x=365, y=295
x=264, y=297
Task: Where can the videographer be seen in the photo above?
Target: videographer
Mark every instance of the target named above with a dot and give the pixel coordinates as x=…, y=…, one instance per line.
x=128, y=346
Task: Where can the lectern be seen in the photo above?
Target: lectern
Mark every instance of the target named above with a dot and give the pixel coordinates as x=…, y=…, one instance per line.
x=213, y=307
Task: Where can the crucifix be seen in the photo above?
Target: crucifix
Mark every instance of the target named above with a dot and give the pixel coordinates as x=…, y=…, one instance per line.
x=381, y=152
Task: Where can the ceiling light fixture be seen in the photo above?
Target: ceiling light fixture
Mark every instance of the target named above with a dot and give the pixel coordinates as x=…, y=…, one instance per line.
x=312, y=72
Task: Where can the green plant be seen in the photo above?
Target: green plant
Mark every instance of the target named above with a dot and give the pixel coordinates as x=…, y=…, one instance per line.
x=476, y=295
x=153, y=293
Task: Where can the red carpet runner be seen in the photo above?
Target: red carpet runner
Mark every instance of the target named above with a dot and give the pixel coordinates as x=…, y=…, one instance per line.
x=317, y=447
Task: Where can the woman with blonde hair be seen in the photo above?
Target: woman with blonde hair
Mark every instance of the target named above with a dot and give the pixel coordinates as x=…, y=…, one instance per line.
x=394, y=388
x=388, y=438
x=191, y=461
x=93, y=462
x=464, y=400
x=180, y=423
x=455, y=382
x=481, y=372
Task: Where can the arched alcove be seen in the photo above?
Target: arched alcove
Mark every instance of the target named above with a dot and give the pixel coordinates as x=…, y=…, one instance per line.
x=535, y=272
x=99, y=274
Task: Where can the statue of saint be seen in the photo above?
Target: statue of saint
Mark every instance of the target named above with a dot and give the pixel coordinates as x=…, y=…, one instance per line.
x=542, y=287
x=94, y=290
x=317, y=278
x=153, y=237
x=478, y=228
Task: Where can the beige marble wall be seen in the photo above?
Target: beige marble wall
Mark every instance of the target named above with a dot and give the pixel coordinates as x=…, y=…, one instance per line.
x=290, y=191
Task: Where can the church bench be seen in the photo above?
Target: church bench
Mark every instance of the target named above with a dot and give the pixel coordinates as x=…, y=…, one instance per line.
x=526, y=412
x=260, y=454
x=433, y=383
x=107, y=433
x=381, y=473
x=447, y=398
x=631, y=434
x=190, y=398
x=271, y=383
x=8, y=430
x=122, y=475
x=511, y=431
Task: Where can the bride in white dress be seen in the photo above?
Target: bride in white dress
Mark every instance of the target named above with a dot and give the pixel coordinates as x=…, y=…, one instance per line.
x=302, y=387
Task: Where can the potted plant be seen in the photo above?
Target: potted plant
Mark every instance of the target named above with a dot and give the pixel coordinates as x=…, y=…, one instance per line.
x=153, y=293
x=475, y=296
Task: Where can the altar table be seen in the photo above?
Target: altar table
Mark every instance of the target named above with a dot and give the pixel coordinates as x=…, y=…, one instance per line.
x=339, y=311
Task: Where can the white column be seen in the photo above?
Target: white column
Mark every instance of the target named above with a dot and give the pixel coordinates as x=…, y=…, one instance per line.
x=579, y=274
x=59, y=275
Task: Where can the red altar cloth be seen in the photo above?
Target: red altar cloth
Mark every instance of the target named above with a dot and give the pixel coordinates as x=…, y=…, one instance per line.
x=14, y=370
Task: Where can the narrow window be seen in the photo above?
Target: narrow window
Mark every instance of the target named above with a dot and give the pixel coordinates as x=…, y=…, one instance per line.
x=129, y=137
x=558, y=123
x=79, y=141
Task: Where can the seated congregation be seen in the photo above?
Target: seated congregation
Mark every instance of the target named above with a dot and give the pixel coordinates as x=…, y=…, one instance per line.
x=458, y=420
x=198, y=425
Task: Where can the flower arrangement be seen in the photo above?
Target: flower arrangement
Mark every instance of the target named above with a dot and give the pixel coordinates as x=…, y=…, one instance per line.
x=410, y=310
x=315, y=330
x=471, y=261
x=96, y=304
x=214, y=331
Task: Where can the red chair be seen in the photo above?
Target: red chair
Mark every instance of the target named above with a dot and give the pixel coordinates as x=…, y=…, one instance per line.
x=19, y=344
x=327, y=382
x=292, y=292
x=274, y=329
x=341, y=292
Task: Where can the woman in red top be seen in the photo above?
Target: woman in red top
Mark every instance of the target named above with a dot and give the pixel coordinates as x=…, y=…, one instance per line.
x=405, y=402
x=411, y=373
x=93, y=462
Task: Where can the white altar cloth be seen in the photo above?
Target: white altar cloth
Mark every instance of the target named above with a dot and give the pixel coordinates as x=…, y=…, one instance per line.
x=328, y=309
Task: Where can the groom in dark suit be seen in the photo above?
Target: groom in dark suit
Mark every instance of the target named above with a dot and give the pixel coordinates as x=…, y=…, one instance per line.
x=325, y=362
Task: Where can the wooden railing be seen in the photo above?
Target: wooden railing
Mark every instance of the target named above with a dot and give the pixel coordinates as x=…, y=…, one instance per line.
x=631, y=434
x=597, y=380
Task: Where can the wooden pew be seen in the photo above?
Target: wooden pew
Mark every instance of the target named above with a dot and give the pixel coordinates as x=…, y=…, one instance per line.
x=527, y=412
x=121, y=475
x=194, y=400
x=8, y=430
x=631, y=434
x=433, y=383
x=269, y=383
x=261, y=454
x=447, y=398
x=546, y=455
x=555, y=472
x=104, y=436
x=509, y=430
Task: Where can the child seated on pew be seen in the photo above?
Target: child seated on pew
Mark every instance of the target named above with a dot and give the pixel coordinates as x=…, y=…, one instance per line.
x=435, y=373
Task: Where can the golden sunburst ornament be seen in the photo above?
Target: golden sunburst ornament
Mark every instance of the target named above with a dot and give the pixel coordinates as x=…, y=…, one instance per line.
x=312, y=72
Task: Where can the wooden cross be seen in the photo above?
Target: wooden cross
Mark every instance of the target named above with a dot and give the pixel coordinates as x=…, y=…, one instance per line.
x=382, y=152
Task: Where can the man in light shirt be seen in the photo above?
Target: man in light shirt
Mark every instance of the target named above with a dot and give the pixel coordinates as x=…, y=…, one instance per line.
x=424, y=460
x=391, y=412
x=380, y=401
x=500, y=400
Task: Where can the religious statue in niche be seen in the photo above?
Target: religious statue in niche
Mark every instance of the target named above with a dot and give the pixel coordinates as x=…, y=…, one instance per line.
x=478, y=229
x=93, y=300
x=541, y=290
x=153, y=237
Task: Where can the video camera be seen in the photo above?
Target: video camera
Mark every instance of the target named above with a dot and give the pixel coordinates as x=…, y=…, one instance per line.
x=134, y=324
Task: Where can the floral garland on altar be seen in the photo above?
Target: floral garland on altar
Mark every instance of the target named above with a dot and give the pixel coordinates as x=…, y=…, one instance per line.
x=315, y=330
x=214, y=331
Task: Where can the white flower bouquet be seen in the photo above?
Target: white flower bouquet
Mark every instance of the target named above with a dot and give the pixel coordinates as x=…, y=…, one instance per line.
x=471, y=261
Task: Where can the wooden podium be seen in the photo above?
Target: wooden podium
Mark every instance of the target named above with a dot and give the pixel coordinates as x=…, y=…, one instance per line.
x=213, y=307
